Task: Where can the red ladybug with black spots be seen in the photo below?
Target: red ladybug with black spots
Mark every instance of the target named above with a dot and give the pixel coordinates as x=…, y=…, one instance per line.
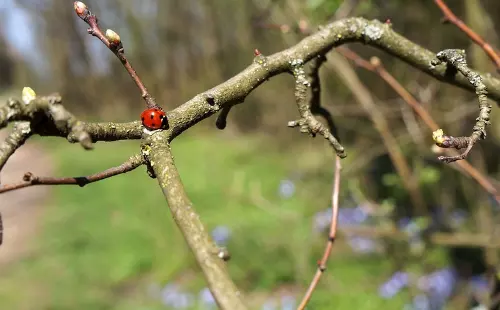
x=154, y=118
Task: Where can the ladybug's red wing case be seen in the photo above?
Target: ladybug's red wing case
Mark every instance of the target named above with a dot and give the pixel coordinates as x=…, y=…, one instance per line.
x=153, y=118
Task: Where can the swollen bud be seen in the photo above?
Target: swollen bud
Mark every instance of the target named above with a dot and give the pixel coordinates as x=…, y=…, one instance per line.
x=81, y=9
x=28, y=95
x=113, y=37
x=438, y=136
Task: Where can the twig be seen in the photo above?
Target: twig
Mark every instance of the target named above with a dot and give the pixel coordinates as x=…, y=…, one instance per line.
x=113, y=42
x=157, y=151
x=20, y=133
x=308, y=123
x=375, y=65
x=363, y=96
x=31, y=180
x=455, y=59
x=452, y=18
x=331, y=237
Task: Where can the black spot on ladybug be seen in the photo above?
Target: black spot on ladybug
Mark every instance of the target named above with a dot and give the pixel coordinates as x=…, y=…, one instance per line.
x=153, y=125
x=142, y=119
x=152, y=115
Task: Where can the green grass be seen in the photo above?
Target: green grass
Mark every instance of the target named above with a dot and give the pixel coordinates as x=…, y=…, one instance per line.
x=101, y=246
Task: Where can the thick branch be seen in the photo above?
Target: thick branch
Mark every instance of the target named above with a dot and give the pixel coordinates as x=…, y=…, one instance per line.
x=31, y=180
x=50, y=118
x=208, y=255
x=358, y=29
x=14, y=140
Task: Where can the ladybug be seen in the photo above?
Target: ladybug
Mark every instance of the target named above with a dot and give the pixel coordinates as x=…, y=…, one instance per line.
x=153, y=118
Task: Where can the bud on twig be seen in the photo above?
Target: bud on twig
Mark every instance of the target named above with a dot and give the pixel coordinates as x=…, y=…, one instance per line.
x=81, y=9
x=113, y=38
x=28, y=95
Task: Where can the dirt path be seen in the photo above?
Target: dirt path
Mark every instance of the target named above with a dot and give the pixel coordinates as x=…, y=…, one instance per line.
x=21, y=210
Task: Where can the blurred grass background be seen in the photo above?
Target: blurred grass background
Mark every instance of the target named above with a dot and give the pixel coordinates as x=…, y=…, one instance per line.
x=104, y=245
x=113, y=244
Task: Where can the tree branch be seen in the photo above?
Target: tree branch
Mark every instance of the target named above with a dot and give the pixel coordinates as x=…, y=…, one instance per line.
x=31, y=180
x=307, y=122
x=113, y=42
x=20, y=133
x=375, y=65
x=49, y=118
x=157, y=150
x=348, y=30
x=455, y=59
x=452, y=18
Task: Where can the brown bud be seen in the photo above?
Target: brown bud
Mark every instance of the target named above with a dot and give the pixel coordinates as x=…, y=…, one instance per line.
x=81, y=9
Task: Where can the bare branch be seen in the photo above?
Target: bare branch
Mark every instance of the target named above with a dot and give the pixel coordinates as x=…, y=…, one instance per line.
x=308, y=123
x=375, y=65
x=331, y=237
x=348, y=30
x=20, y=133
x=46, y=111
x=113, y=42
x=455, y=60
x=452, y=18
x=208, y=255
x=31, y=180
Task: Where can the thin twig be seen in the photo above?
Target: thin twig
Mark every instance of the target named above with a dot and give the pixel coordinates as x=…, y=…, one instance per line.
x=452, y=18
x=376, y=66
x=113, y=42
x=31, y=180
x=362, y=94
x=331, y=237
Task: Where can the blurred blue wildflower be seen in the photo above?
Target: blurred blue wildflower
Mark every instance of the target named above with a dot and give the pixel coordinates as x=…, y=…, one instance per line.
x=221, y=235
x=269, y=305
x=172, y=296
x=288, y=302
x=458, y=218
x=394, y=285
x=286, y=189
x=206, y=299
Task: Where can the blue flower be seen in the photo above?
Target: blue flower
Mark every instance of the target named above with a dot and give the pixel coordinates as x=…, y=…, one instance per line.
x=286, y=189
x=221, y=235
x=394, y=285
